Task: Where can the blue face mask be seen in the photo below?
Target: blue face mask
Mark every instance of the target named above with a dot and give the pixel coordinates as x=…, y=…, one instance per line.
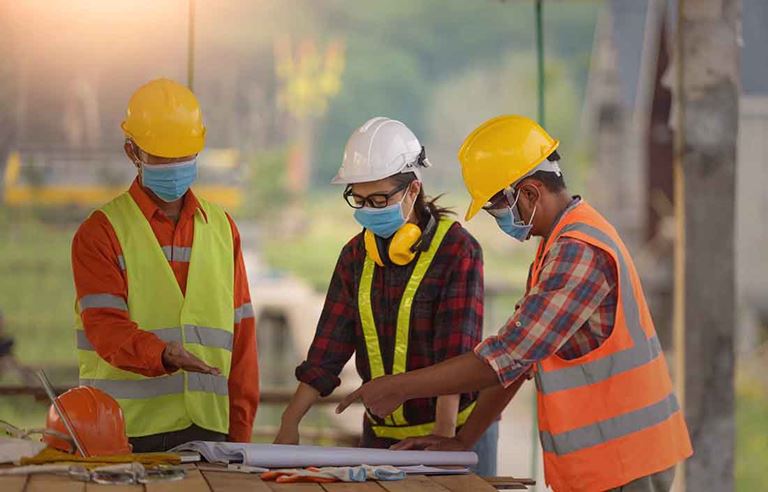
x=382, y=221
x=169, y=181
x=509, y=221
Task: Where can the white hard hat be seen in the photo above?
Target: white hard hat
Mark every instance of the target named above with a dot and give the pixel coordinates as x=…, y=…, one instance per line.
x=380, y=148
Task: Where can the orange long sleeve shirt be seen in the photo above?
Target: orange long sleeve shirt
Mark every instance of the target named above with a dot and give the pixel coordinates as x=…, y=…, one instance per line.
x=97, y=265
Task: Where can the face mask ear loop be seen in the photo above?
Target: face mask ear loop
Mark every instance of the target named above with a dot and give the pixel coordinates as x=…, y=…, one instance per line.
x=135, y=151
x=405, y=218
x=533, y=214
x=517, y=197
x=138, y=162
x=140, y=167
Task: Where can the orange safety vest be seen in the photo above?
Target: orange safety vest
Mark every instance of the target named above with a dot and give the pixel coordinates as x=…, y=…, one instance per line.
x=610, y=416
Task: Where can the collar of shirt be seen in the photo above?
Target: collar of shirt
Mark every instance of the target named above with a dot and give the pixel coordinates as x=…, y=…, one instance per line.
x=149, y=208
x=575, y=200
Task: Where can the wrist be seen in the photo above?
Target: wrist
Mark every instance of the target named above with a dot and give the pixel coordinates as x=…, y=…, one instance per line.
x=406, y=385
x=165, y=363
x=444, y=431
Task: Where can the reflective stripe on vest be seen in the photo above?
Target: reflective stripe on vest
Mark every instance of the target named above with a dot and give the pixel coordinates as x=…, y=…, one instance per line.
x=208, y=337
x=164, y=334
x=162, y=386
x=420, y=430
x=610, y=416
x=609, y=429
x=202, y=320
x=396, y=424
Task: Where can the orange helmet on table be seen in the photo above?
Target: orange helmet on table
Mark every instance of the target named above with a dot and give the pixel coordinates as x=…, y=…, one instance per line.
x=96, y=418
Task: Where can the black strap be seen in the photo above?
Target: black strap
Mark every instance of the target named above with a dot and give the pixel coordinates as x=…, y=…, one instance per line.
x=427, y=234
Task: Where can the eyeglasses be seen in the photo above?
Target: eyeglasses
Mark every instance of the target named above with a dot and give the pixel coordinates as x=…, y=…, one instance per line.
x=503, y=199
x=374, y=200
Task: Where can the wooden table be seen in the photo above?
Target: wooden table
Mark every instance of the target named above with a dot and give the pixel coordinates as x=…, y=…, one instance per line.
x=209, y=478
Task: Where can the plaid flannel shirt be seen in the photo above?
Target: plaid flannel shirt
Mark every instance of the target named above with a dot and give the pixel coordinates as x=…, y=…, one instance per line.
x=446, y=319
x=570, y=311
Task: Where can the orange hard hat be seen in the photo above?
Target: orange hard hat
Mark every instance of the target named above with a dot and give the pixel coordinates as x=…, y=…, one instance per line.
x=97, y=420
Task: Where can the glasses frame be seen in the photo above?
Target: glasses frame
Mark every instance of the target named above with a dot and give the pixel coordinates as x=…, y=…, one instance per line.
x=351, y=198
x=506, y=198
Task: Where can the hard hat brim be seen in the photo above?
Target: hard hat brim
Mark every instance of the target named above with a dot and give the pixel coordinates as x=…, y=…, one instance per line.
x=338, y=179
x=474, y=207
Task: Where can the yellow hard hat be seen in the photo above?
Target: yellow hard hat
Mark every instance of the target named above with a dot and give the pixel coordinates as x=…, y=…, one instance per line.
x=498, y=153
x=164, y=119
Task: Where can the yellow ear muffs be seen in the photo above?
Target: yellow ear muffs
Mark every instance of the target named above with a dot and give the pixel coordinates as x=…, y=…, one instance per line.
x=372, y=248
x=401, y=246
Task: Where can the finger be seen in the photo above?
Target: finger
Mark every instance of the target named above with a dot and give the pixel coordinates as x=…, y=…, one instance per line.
x=439, y=445
x=202, y=366
x=197, y=365
x=349, y=399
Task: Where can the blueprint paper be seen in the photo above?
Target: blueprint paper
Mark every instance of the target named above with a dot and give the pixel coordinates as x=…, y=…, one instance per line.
x=284, y=456
x=433, y=470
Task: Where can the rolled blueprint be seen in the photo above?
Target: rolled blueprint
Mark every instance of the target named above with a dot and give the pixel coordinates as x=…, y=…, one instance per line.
x=283, y=456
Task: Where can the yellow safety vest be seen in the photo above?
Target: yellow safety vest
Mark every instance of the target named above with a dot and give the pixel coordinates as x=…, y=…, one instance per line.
x=202, y=320
x=396, y=426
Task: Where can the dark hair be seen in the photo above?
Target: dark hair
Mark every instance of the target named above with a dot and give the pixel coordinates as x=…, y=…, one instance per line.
x=551, y=181
x=424, y=206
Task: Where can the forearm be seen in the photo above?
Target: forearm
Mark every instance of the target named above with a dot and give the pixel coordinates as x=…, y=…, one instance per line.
x=463, y=374
x=303, y=399
x=122, y=343
x=446, y=414
x=491, y=402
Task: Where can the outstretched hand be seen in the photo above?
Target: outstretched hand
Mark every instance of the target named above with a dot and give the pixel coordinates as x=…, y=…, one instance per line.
x=176, y=357
x=380, y=396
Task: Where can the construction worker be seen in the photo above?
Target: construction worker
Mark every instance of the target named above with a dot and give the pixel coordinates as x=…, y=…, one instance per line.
x=608, y=418
x=164, y=318
x=407, y=292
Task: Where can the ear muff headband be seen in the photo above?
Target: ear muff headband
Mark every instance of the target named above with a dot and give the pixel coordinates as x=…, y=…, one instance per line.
x=371, y=248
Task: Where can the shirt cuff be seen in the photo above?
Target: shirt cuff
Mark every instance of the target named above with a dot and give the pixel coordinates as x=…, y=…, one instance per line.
x=494, y=353
x=321, y=379
x=154, y=350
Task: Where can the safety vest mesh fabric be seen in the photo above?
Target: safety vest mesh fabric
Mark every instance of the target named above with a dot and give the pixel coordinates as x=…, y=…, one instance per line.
x=202, y=320
x=610, y=416
x=396, y=426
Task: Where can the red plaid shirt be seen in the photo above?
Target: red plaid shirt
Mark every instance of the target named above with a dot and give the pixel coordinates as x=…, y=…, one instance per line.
x=446, y=320
x=570, y=311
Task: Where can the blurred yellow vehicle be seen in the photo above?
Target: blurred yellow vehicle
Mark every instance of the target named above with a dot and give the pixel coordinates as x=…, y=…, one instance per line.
x=88, y=178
